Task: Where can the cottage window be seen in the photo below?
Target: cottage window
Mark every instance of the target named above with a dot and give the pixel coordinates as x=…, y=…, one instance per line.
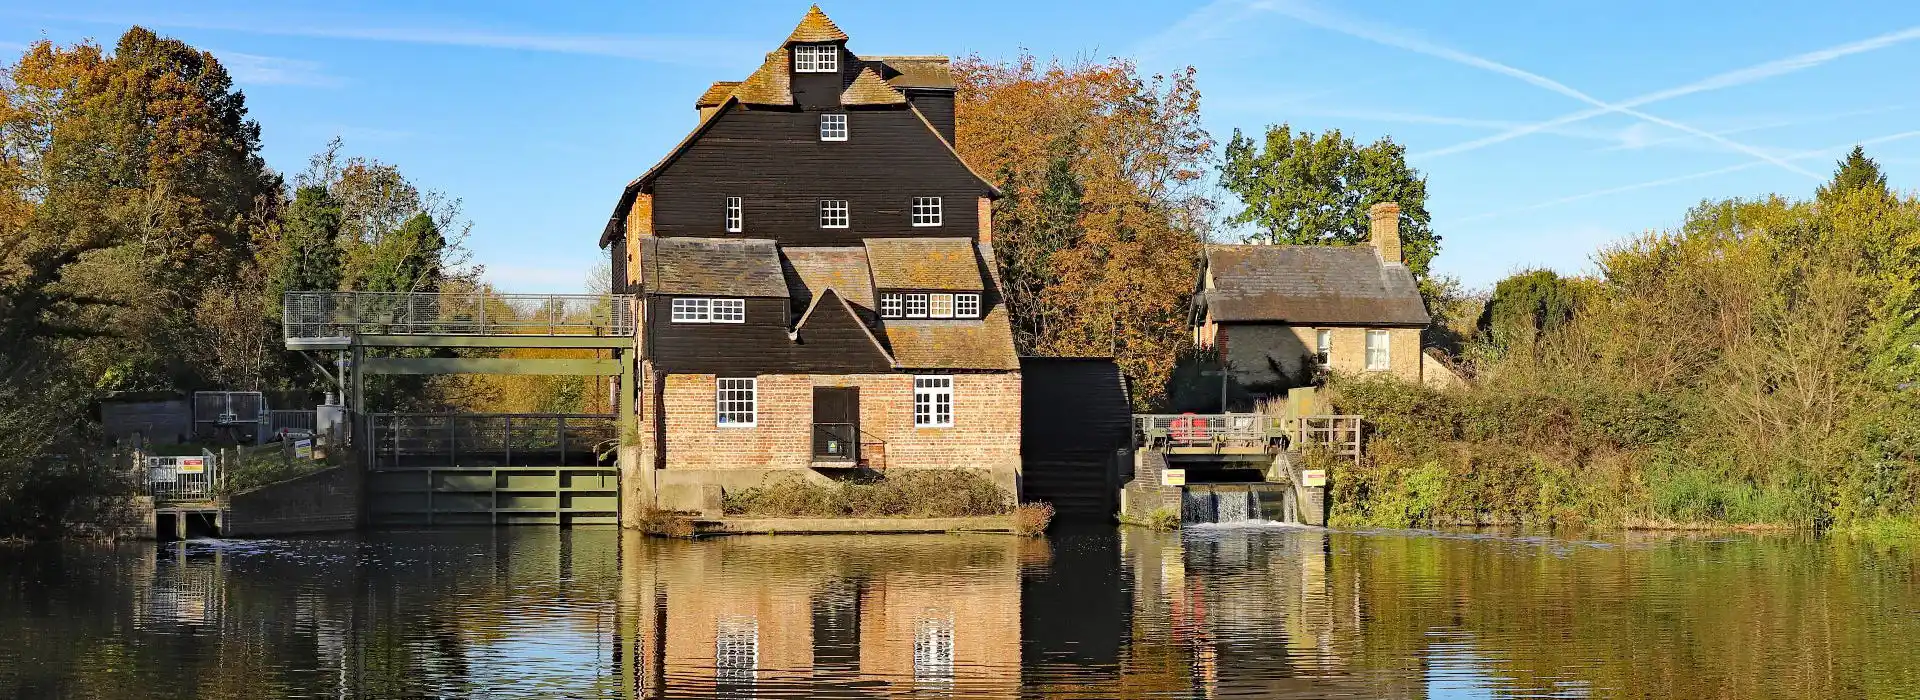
x=1323, y=347
x=833, y=213
x=816, y=58
x=891, y=305
x=940, y=306
x=833, y=127
x=926, y=211
x=734, y=218
x=691, y=310
x=1377, y=351
x=933, y=402
x=966, y=306
x=916, y=306
x=734, y=402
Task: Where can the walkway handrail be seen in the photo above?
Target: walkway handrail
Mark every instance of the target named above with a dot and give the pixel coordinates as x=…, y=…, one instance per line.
x=344, y=314
x=1208, y=427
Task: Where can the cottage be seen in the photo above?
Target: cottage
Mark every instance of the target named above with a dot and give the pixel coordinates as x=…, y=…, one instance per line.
x=1276, y=316
x=813, y=269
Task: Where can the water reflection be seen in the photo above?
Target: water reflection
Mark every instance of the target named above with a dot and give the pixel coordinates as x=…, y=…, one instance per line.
x=1270, y=612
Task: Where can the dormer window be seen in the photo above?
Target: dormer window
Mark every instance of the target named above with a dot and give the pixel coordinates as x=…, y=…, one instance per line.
x=816, y=58
x=929, y=305
x=833, y=127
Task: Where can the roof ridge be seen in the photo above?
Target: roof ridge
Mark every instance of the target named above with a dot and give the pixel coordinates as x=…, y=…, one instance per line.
x=868, y=88
x=816, y=27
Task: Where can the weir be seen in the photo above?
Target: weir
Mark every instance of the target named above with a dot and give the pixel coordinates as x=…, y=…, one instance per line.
x=1234, y=467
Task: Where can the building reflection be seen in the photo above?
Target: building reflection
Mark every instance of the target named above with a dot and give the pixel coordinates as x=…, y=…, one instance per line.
x=822, y=616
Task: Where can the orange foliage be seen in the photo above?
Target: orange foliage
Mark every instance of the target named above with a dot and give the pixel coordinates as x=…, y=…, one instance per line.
x=1118, y=283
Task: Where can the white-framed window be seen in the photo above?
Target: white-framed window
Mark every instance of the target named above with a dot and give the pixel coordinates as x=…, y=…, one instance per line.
x=926, y=211
x=892, y=305
x=966, y=306
x=940, y=306
x=692, y=310
x=733, y=402
x=1323, y=347
x=933, y=401
x=816, y=58
x=916, y=306
x=709, y=310
x=833, y=213
x=1378, y=351
x=833, y=127
x=729, y=310
x=734, y=215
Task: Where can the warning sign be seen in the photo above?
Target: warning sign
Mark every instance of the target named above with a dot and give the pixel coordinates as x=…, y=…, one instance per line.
x=303, y=449
x=193, y=465
x=1173, y=477
x=1313, y=477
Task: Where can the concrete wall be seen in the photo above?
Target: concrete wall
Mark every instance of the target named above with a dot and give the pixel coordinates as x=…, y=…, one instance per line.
x=325, y=501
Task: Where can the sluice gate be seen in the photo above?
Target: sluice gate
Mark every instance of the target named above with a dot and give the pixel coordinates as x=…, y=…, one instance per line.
x=491, y=469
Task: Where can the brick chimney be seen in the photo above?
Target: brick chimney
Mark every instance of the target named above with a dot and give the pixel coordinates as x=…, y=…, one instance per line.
x=1384, y=234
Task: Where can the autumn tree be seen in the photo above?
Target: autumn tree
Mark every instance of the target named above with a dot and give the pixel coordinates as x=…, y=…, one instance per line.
x=1097, y=233
x=1314, y=189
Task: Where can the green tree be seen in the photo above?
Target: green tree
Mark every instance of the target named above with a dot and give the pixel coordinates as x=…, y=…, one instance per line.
x=1526, y=305
x=1026, y=259
x=1314, y=189
x=1854, y=172
x=307, y=252
x=406, y=260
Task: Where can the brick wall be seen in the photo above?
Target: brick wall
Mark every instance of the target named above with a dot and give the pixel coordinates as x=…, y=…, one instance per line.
x=985, y=435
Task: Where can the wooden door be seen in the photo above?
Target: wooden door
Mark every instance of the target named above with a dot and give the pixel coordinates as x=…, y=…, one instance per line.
x=836, y=424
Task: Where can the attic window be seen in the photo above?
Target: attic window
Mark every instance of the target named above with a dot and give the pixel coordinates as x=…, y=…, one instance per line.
x=833, y=213
x=816, y=58
x=966, y=306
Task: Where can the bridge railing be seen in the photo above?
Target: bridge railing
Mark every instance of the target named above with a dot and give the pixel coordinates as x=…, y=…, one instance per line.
x=310, y=315
x=1189, y=429
x=418, y=440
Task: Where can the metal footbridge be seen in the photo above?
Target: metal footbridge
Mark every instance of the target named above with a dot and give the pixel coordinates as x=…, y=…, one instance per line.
x=480, y=468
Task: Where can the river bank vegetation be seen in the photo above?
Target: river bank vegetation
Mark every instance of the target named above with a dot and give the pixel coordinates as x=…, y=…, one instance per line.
x=1755, y=366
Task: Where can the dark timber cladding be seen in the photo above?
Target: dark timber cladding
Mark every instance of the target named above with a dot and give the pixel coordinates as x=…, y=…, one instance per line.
x=830, y=340
x=775, y=162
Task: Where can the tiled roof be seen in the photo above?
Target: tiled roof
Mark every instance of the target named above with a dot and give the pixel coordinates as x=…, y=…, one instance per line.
x=816, y=28
x=924, y=263
x=983, y=344
x=829, y=301
x=770, y=85
x=869, y=89
x=812, y=270
x=716, y=93
x=712, y=266
x=915, y=71
x=1305, y=284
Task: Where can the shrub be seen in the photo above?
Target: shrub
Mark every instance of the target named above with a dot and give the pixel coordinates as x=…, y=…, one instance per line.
x=919, y=493
x=665, y=523
x=1032, y=519
x=1162, y=518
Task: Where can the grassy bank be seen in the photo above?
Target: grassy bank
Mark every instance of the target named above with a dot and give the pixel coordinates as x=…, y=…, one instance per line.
x=1756, y=368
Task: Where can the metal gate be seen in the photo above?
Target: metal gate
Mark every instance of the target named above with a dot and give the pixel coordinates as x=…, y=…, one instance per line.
x=182, y=478
x=491, y=469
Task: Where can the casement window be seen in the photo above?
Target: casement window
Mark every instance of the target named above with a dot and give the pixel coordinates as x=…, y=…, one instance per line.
x=1378, y=357
x=940, y=306
x=966, y=306
x=1323, y=347
x=933, y=402
x=734, y=216
x=709, y=310
x=734, y=401
x=926, y=211
x=833, y=213
x=916, y=306
x=892, y=305
x=816, y=58
x=833, y=127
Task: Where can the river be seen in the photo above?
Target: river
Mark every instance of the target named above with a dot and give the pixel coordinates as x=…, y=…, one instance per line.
x=1097, y=613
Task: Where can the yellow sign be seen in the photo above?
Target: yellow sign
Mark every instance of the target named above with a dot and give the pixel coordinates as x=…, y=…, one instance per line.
x=193, y=465
x=303, y=449
x=1313, y=477
x=1173, y=477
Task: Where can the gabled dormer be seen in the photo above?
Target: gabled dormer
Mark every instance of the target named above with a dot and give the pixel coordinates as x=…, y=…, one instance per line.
x=818, y=65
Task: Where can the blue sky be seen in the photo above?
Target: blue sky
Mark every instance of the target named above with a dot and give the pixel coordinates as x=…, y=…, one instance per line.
x=1545, y=129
